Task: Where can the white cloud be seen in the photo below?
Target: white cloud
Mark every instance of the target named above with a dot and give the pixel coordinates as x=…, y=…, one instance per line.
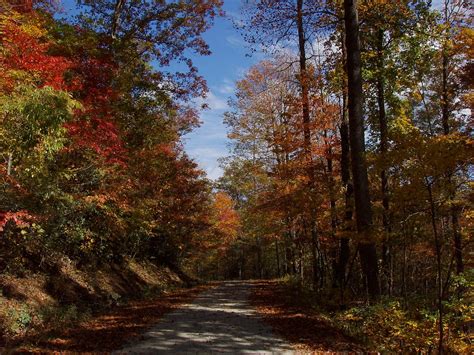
x=235, y=41
x=227, y=87
x=207, y=159
x=205, y=154
x=215, y=173
x=240, y=72
x=437, y=4
x=208, y=142
x=213, y=101
x=236, y=17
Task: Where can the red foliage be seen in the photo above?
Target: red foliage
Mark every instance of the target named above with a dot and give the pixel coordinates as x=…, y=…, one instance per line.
x=94, y=127
x=95, y=77
x=99, y=134
x=27, y=53
x=167, y=150
x=21, y=5
x=20, y=218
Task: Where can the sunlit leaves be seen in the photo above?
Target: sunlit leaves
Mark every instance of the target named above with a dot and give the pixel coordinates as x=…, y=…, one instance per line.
x=24, y=57
x=93, y=150
x=33, y=119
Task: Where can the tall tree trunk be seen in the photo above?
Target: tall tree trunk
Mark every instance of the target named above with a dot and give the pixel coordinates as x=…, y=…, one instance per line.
x=363, y=206
x=116, y=17
x=286, y=256
x=332, y=204
x=332, y=198
x=332, y=201
x=344, y=250
x=457, y=243
x=404, y=267
x=444, y=95
x=386, y=257
x=303, y=78
x=439, y=266
x=445, y=113
x=301, y=264
x=304, y=82
x=259, y=259
x=277, y=253
x=290, y=248
x=444, y=68
x=10, y=164
x=241, y=263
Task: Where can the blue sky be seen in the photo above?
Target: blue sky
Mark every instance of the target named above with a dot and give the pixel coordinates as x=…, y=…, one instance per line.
x=227, y=63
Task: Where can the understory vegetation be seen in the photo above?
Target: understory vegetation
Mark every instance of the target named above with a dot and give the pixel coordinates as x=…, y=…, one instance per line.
x=38, y=306
x=392, y=323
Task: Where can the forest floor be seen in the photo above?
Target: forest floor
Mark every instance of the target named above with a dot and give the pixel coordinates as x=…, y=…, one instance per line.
x=64, y=307
x=297, y=322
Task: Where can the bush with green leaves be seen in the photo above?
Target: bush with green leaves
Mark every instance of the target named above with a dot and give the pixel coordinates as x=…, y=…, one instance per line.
x=16, y=321
x=387, y=326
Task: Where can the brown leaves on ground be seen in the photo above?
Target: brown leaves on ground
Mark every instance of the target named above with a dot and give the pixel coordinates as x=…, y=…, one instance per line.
x=112, y=330
x=298, y=323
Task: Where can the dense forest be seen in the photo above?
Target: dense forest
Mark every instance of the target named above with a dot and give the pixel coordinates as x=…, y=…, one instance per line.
x=93, y=164
x=351, y=165
x=350, y=171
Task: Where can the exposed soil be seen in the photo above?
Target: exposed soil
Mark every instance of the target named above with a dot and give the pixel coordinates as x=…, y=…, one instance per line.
x=298, y=323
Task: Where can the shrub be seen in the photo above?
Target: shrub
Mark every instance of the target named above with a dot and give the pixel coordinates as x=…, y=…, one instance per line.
x=16, y=321
x=387, y=326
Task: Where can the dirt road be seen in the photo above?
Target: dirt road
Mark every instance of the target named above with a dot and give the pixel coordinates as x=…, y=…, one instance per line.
x=219, y=320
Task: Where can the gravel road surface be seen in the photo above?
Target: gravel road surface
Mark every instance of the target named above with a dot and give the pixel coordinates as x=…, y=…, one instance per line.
x=219, y=320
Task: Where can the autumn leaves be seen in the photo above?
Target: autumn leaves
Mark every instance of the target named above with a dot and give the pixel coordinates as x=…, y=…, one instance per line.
x=93, y=167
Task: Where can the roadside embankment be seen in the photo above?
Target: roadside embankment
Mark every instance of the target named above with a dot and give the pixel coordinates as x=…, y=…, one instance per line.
x=37, y=309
